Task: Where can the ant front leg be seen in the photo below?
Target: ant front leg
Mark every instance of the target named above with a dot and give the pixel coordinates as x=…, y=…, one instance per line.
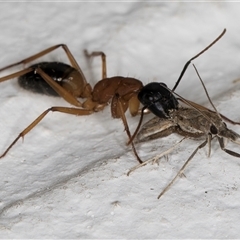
x=119, y=106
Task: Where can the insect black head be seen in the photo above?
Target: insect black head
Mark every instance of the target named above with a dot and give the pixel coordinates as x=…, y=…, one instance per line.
x=158, y=99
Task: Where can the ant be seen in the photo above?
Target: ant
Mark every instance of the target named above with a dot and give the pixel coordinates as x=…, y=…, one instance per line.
x=194, y=122
x=69, y=82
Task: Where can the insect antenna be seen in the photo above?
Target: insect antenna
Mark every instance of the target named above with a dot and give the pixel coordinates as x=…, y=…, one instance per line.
x=209, y=99
x=189, y=61
x=178, y=81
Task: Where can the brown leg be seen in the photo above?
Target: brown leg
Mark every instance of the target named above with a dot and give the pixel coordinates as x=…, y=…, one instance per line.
x=68, y=110
x=46, y=51
x=16, y=74
x=60, y=90
x=121, y=110
x=104, y=63
x=119, y=107
x=133, y=105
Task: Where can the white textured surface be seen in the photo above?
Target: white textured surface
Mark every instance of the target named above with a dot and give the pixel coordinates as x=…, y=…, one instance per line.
x=68, y=179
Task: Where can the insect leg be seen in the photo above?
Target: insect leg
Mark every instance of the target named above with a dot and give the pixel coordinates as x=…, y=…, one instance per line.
x=104, y=63
x=46, y=51
x=123, y=117
x=222, y=145
x=209, y=139
x=157, y=157
x=16, y=74
x=180, y=172
x=68, y=110
x=60, y=90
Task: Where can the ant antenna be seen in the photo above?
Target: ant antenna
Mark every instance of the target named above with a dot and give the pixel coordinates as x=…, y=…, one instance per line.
x=178, y=81
x=188, y=62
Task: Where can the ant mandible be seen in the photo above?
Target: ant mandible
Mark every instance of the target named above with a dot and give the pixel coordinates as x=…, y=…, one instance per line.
x=69, y=82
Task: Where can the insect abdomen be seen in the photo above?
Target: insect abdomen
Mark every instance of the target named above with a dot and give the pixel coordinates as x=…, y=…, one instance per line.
x=35, y=83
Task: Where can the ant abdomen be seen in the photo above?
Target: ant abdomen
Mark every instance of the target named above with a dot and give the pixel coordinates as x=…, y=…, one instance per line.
x=63, y=74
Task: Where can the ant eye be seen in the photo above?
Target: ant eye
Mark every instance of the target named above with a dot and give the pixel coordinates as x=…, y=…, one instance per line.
x=150, y=98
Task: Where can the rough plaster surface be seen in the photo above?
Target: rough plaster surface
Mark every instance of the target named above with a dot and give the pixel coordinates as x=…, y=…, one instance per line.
x=68, y=179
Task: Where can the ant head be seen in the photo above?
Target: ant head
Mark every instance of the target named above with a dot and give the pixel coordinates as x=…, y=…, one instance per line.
x=158, y=99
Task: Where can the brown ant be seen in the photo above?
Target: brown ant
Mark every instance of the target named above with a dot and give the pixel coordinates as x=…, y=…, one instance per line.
x=56, y=78
x=194, y=122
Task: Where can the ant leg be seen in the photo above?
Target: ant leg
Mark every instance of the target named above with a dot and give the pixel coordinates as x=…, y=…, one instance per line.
x=133, y=105
x=60, y=90
x=104, y=63
x=72, y=60
x=68, y=110
x=180, y=172
x=117, y=100
x=222, y=145
x=16, y=74
x=46, y=51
